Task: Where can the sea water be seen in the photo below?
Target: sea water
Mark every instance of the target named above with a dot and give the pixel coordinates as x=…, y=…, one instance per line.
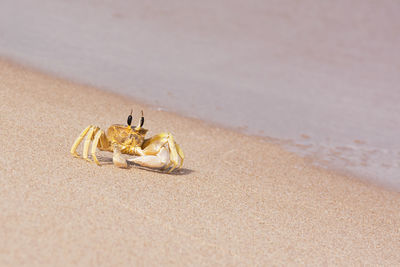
x=320, y=77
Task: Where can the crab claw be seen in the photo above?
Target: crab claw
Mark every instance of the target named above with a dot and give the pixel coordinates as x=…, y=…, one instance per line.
x=118, y=160
x=161, y=151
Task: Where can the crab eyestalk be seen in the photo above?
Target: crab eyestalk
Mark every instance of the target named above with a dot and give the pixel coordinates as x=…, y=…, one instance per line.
x=129, y=121
x=141, y=122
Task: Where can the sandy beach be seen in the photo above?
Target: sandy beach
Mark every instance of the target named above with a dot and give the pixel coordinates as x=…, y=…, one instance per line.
x=237, y=201
x=327, y=71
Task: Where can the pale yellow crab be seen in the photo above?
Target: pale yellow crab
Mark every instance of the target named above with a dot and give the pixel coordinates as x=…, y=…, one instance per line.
x=159, y=151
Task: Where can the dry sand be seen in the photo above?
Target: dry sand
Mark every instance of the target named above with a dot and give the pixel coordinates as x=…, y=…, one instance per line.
x=238, y=200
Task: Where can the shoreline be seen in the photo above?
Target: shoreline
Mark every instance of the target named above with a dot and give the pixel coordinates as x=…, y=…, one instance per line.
x=285, y=144
x=266, y=74
x=237, y=201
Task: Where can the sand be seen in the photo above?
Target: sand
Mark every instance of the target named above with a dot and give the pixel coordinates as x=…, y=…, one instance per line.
x=238, y=200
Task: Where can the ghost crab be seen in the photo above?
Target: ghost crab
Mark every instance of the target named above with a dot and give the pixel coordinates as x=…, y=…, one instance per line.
x=160, y=151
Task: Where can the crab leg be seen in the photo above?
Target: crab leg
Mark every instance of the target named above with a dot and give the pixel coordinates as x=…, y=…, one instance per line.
x=181, y=155
x=89, y=137
x=99, y=134
x=174, y=154
x=78, y=141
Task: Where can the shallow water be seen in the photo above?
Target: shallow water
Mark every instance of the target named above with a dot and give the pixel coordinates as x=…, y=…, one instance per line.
x=322, y=77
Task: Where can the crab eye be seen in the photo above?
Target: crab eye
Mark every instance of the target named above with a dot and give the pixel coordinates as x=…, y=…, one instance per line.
x=141, y=121
x=129, y=121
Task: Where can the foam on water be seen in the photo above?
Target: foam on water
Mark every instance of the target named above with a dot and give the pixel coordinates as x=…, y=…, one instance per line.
x=323, y=76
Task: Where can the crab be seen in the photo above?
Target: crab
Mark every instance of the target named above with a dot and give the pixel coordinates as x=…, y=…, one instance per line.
x=159, y=152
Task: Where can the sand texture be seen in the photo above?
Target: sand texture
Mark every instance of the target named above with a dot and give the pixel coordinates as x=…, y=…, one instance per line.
x=237, y=201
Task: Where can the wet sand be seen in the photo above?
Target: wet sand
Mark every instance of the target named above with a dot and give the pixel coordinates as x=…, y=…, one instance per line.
x=238, y=199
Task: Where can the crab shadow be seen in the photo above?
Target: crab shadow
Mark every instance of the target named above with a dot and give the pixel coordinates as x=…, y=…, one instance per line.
x=108, y=161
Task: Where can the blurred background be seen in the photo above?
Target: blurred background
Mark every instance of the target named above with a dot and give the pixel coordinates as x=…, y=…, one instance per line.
x=319, y=77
